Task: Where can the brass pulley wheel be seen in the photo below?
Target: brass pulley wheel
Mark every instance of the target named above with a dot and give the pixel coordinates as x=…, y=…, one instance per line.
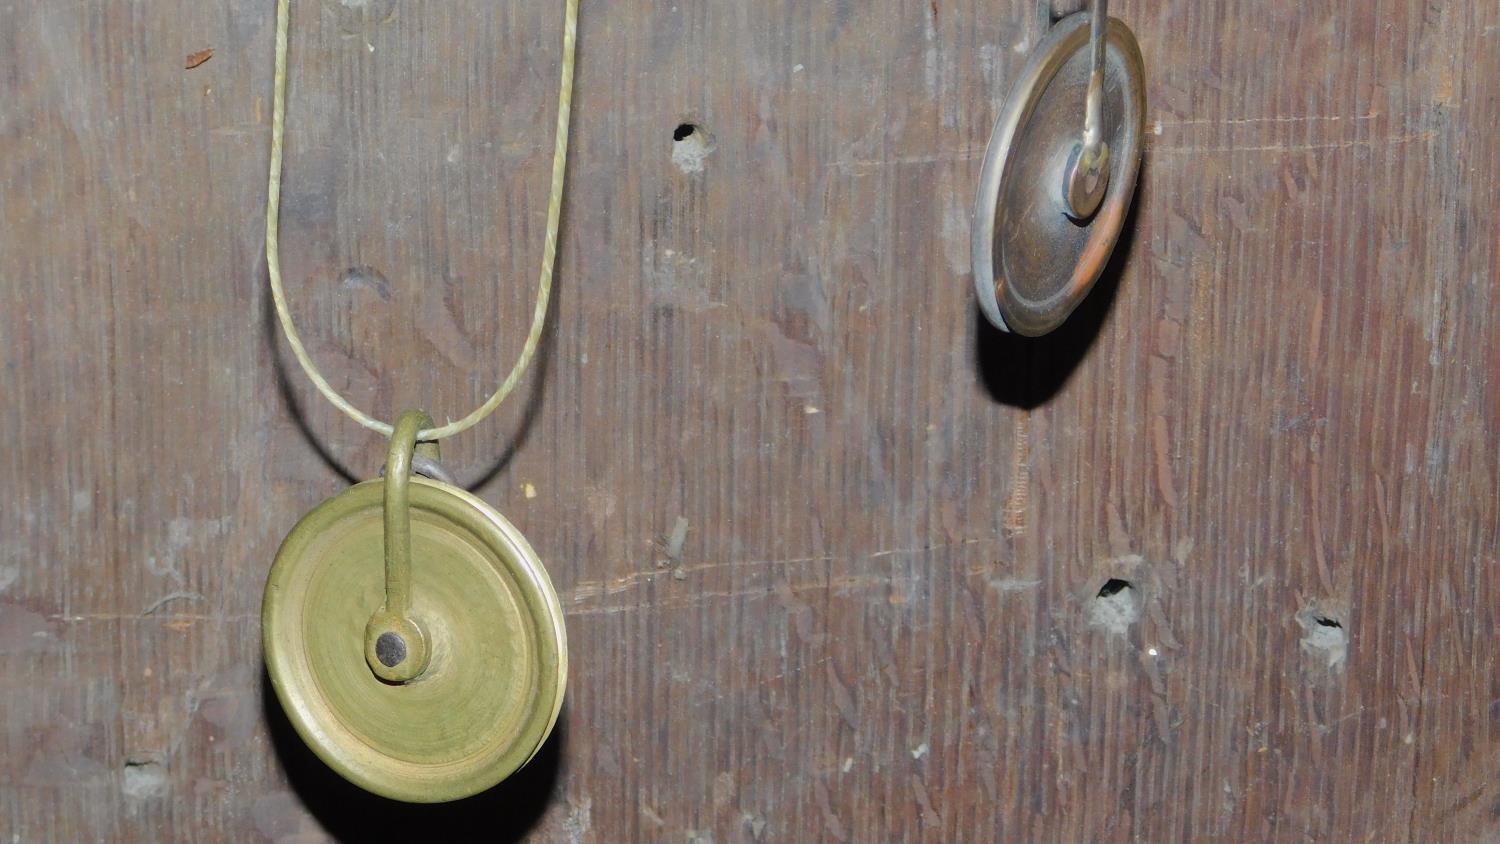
x=429, y=690
x=410, y=632
x=1059, y=173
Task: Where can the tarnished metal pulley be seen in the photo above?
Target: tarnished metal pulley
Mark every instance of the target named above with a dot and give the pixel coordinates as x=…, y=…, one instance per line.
x=1059, y=173
x=413, y=636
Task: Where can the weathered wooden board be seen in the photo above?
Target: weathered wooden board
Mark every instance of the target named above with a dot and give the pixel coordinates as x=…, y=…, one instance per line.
x=1282, y=406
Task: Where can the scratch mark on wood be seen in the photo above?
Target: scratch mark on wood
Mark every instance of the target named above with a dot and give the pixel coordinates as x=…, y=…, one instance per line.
x=1292, y=147
x=168, y=598
x=1019, y=499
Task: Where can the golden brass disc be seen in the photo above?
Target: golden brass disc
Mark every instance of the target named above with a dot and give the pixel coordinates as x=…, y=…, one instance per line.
x=493, y=688
x=1032, y=262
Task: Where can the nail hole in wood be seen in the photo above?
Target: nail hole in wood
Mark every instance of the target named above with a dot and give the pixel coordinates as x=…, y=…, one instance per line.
x=1115, y=607
x=1324, y=637
x=691, y=144
x=144, y=779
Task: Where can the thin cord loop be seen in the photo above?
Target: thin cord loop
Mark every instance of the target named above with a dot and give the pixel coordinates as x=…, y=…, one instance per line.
x=549, y=247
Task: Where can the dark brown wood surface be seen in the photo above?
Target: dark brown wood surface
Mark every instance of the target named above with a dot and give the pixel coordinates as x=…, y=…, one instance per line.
x=1279, y=412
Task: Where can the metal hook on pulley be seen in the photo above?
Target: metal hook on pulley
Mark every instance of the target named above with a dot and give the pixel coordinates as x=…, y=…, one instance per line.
x=1088, y=165
x=396, y=646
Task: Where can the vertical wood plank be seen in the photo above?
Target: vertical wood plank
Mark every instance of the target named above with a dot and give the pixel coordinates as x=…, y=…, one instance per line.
x=1276, y=415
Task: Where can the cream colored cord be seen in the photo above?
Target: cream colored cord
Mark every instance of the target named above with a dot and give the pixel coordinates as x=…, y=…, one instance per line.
x=549, y=247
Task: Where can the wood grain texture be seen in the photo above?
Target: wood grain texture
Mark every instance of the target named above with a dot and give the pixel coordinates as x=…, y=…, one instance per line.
x=1282, y=405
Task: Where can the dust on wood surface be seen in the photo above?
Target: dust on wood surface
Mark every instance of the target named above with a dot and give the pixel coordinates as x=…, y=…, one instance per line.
x=1215, y=561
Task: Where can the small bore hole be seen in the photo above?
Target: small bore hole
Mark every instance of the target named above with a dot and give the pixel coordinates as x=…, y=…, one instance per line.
x=1116, y=607
x=1324, y=637
x=144, y=779
x=691, y=145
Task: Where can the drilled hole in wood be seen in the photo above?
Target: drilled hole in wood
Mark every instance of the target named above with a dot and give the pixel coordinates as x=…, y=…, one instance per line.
x=1324, y=637
x=144, y=779
x=1115, y=607
x=691, y=143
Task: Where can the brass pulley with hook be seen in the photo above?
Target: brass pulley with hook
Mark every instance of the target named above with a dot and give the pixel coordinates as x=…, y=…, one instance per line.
x=412, y=635
x=1053, y=198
